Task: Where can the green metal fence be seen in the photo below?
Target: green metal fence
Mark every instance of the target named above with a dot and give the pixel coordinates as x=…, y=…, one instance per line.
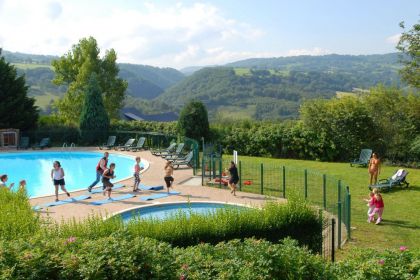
x=273, y=179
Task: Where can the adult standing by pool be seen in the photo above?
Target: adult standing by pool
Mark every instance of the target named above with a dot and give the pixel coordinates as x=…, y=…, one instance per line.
x=100, y=168
x=234, y=177
x=374, y=167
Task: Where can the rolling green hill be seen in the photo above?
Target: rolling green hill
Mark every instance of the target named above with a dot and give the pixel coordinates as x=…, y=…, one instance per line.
x=144, y=82
x=273, y=93
x=259, y=88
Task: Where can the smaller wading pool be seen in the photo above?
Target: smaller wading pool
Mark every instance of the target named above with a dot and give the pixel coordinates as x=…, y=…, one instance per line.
x=163, y=211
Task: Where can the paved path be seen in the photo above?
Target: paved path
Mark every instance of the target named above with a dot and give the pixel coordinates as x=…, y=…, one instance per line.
x=152, y=176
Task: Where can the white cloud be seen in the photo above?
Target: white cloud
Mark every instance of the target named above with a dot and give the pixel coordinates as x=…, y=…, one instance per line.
x=314, y=51
x=394, y=39
x=178, y=35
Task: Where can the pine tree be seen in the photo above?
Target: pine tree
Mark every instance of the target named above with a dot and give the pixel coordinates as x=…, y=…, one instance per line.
x=193, y=120
x=17, y=110
x=94, y=120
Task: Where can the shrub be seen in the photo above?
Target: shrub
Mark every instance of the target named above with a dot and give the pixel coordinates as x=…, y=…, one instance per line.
x=273, y=222
x=18, y=220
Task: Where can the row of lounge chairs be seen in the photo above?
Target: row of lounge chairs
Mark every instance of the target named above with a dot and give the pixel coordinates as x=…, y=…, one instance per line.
x=127, y=146
x=24, y=143
x=175, y=154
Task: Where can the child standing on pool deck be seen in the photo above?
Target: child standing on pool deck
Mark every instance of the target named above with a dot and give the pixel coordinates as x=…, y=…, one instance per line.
x=57, y=176
x=169, y=171
x=371, y=206
x=137, y=175
x=379, y=206
x=106, y=177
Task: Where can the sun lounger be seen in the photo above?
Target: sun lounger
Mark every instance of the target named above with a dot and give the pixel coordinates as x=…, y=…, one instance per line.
x=398, y=179
x=171, y=148
x=45, y=142
x=174, y=154
x=364, y=158
x=113, y=199
x=188, y=161
x=109, y=144
x=23, y=143
x=125, y=147
x=139, y=146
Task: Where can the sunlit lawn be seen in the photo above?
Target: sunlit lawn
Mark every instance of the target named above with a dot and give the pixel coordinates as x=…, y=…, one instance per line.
x=401, y=224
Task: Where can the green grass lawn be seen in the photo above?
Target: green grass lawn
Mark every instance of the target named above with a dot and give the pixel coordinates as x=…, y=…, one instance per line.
x=401, y=224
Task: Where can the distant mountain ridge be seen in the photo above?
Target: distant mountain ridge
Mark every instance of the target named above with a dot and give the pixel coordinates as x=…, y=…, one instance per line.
x=260, y=88
x=144, y=81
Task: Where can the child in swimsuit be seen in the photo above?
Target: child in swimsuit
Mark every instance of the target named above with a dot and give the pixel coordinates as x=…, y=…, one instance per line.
x=371, y=206
x=137, y=175
x=379, y=206
x=169, y=171
x=106, y=177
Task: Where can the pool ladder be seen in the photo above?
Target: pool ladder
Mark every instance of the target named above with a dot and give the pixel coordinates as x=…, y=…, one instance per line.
x=68, y=147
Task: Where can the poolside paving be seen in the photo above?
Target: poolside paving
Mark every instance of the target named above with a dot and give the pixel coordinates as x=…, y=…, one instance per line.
x=189, y=191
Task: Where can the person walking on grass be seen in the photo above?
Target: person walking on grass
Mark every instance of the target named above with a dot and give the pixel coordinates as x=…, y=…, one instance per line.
x=379, y=207
x=106, y=179
x=3, y=181
x=137, y=175
x=100, y=168
x=169, y=171
x=234, y=178
x=374, y=168
x=57, y=176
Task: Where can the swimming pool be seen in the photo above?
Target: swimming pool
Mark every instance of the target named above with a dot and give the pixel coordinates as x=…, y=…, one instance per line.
x=165, y=210
x=79, y=169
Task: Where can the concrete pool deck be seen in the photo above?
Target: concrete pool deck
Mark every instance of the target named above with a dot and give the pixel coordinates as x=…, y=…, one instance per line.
x=185, y=183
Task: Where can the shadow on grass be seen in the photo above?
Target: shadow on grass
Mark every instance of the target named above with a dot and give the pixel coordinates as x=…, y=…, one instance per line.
x=399, y=223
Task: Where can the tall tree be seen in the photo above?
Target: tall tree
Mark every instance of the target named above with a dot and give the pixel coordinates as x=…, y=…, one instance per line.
x=409, y=45
x=17, y=110
x=75, y=69
x=94, y=121
x=193, y=120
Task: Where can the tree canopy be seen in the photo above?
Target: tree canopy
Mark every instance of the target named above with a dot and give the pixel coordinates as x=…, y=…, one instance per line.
x=193, y=120
x=94, y=121
x=17, y=110
x=409, y=45
x=75, y=69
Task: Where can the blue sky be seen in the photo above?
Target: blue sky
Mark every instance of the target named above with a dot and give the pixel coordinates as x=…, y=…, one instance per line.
x=187, y=33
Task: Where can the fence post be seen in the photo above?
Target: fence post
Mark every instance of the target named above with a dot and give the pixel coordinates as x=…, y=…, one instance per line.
x=214, y=167
x=284, y=181
x=262, y=178
x=333, y=240
x=339, y=224
x=240, y=175
x=306, y=183
x=203, y=171
x=348, y=204
x=324, y=190
x=210, y=166
x=220, y=172
x=339, y=214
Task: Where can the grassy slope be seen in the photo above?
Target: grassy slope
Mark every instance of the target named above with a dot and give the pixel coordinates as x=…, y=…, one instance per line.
x=401, y=225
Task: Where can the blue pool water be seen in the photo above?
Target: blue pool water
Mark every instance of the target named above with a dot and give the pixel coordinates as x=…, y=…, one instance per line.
x=166, y=210
x=79, y=169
